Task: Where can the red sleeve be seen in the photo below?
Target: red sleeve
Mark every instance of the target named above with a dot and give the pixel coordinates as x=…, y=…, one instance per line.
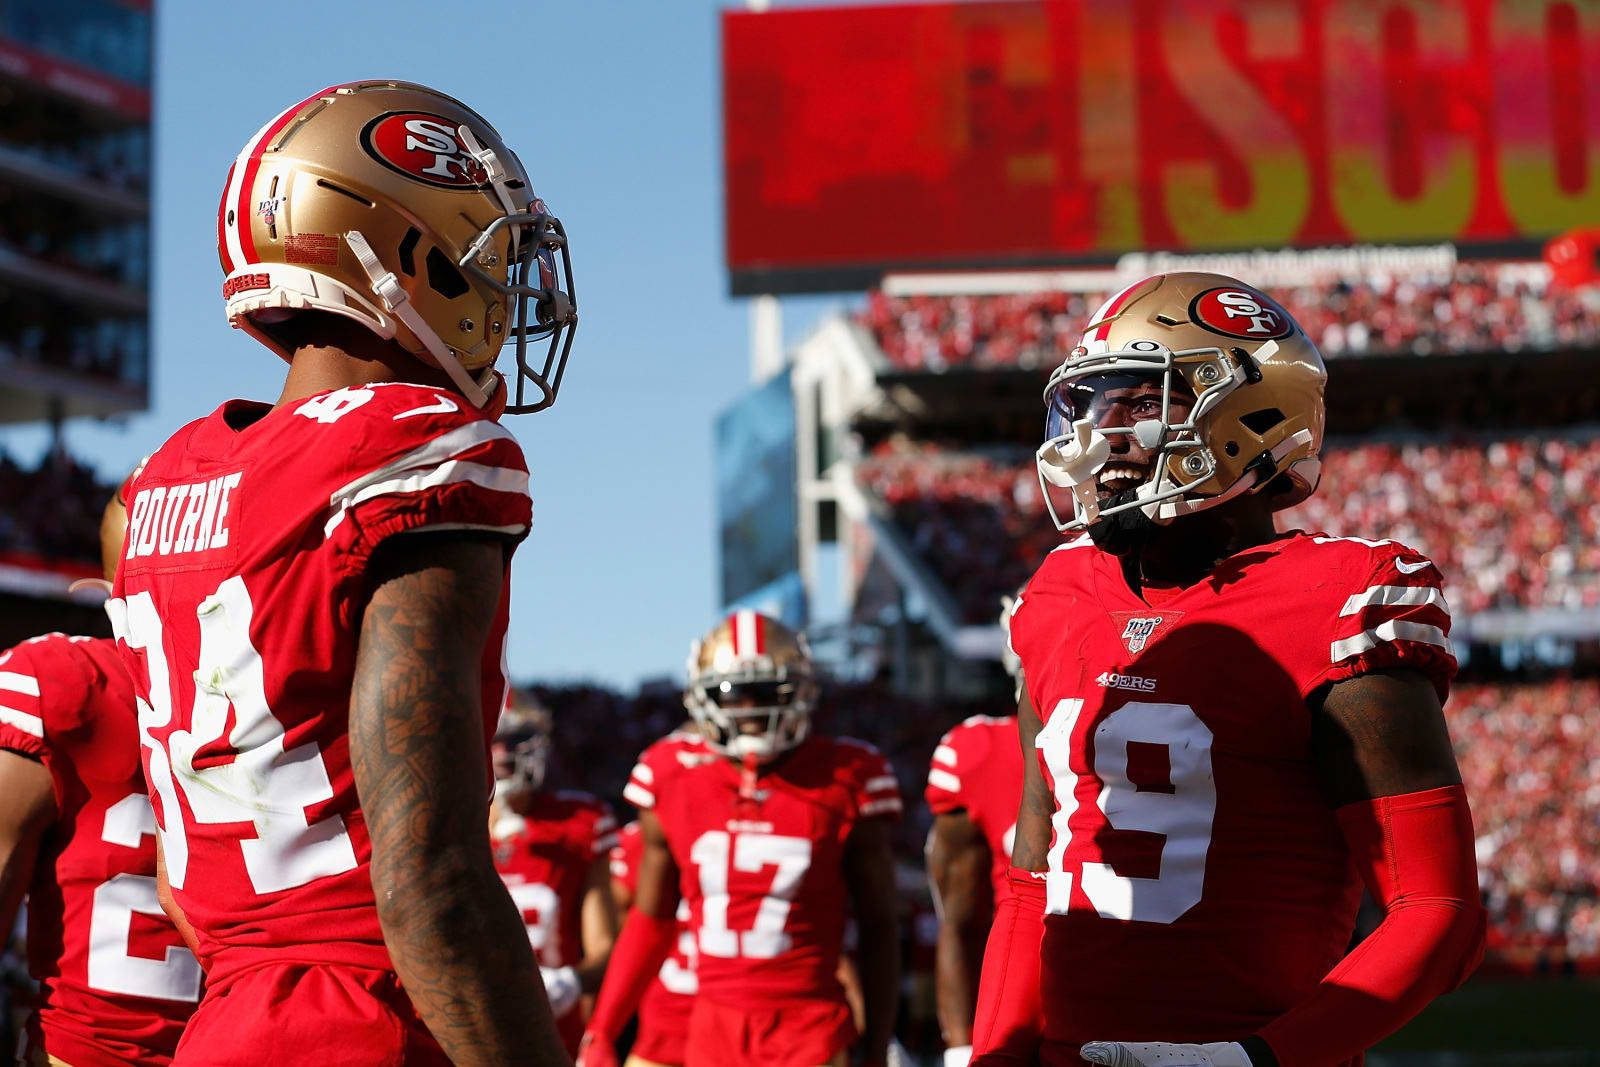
x=1395, y=617
x=1008, y=1023
x=641, y=949
x=645, y=777
x=874, y=789
x=43, y=693
x=421, y=459
x=944, y=792
x=1415, y=853
x=625, y=857
x=602, y=828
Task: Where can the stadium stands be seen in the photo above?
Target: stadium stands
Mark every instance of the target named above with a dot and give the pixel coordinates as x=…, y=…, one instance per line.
x=1530, y=757
x=52, y=513
x=1511, y=523
x=1477, y=307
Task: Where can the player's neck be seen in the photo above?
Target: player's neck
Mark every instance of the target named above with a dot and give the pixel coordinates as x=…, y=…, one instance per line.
x=1186, y=551
x=352, y=361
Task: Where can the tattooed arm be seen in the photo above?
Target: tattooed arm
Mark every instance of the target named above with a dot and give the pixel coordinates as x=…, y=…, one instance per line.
x=417, y=749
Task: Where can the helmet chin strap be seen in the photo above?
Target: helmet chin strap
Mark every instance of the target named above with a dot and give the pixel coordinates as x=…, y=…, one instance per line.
x=398, y=302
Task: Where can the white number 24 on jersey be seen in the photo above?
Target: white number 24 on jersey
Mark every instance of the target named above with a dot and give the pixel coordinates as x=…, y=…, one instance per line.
x=1182, y=815
x=263, y=785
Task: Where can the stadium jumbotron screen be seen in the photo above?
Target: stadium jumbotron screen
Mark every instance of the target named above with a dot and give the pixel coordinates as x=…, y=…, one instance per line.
x=1039, y=132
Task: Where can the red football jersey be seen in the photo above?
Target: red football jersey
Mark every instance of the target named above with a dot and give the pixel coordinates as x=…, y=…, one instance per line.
x=977, y=768
x=544, y=857
x=238, y=606
x=763, y=873
x=117, y=985
x=1198, y=883
x=672, y=993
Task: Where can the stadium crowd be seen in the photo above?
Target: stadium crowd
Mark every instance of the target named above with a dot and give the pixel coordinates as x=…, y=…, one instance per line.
x=51, y=512
x=1475, y=307
x=1512, y=523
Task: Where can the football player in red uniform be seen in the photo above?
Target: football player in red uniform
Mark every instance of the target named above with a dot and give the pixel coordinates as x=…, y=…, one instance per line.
x=312, y=599
x=974, y=789
x=552, y=849
x=1229, y=729
x=663, y=1032
x=78, y=837
x=773, y=834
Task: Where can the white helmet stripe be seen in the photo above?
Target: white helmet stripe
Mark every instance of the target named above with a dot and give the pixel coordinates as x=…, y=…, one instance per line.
x=745, y=641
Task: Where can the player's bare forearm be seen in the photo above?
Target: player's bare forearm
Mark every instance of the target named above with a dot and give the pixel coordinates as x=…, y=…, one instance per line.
x=417, y=750
x=958, y=865
x=1030, y=849
x=29, y=808
x=869, y=866
x=599, y=924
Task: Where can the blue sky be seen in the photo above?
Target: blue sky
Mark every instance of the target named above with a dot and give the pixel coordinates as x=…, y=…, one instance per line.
x=614, y=108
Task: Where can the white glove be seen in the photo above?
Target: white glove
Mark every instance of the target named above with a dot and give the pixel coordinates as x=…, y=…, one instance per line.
x=1162, y=1054
x=957, y=1055
x=561, y=986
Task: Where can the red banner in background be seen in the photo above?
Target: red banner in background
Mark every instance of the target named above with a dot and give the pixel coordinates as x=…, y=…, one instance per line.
x=1035, y=132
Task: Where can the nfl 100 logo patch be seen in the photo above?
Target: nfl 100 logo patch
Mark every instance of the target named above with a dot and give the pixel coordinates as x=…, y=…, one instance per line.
x=1139, y=631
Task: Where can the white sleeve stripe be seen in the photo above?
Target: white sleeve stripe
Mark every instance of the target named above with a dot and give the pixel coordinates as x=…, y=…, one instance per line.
x=1394, y=596
x=1393, y=630
x=945, y=754
x=28, y=724
x=880, y=807
x=883, y=781
x=604, y=823
x=497, y=479
x=619, y=869
x=638, y=795
x=429, y=454
x=643, y=772
x=944, y=780
x=25, y=684
x=604, y=845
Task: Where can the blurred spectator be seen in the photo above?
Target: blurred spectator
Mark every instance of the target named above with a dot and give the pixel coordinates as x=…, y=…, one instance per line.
x=1476, y=307
x=52, y=512
x=1530, y=758
x=1511, y=523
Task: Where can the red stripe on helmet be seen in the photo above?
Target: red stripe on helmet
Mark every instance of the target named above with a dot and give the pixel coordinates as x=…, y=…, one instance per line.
x=1109, y=316
x=760, y=628
x=247, y=240
x=222, y=222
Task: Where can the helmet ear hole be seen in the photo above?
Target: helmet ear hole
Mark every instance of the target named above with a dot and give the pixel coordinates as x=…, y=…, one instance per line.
x=443, y=276
x=408, y=251
x=1259, y=422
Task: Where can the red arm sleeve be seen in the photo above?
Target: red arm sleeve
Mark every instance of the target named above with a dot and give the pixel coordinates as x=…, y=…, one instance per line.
x=1007, y=1027
x=642, y=948
x=1415, y=853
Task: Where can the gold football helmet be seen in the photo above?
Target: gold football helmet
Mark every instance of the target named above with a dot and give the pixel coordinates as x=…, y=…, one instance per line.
x=1254, y=378
x=401, y=208
x=751, y=670
x=521, y=748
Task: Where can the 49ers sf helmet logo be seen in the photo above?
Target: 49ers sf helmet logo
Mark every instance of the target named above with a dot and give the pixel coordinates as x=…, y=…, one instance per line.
x=423, y=147
x=1242, y=313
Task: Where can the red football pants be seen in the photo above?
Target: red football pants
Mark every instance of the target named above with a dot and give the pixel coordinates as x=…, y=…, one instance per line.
x=297, y=1013
x=806, y=1033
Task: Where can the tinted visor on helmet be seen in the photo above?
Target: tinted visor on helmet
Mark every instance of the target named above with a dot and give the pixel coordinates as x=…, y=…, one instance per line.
x=734, y=696
x=1085, y=398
